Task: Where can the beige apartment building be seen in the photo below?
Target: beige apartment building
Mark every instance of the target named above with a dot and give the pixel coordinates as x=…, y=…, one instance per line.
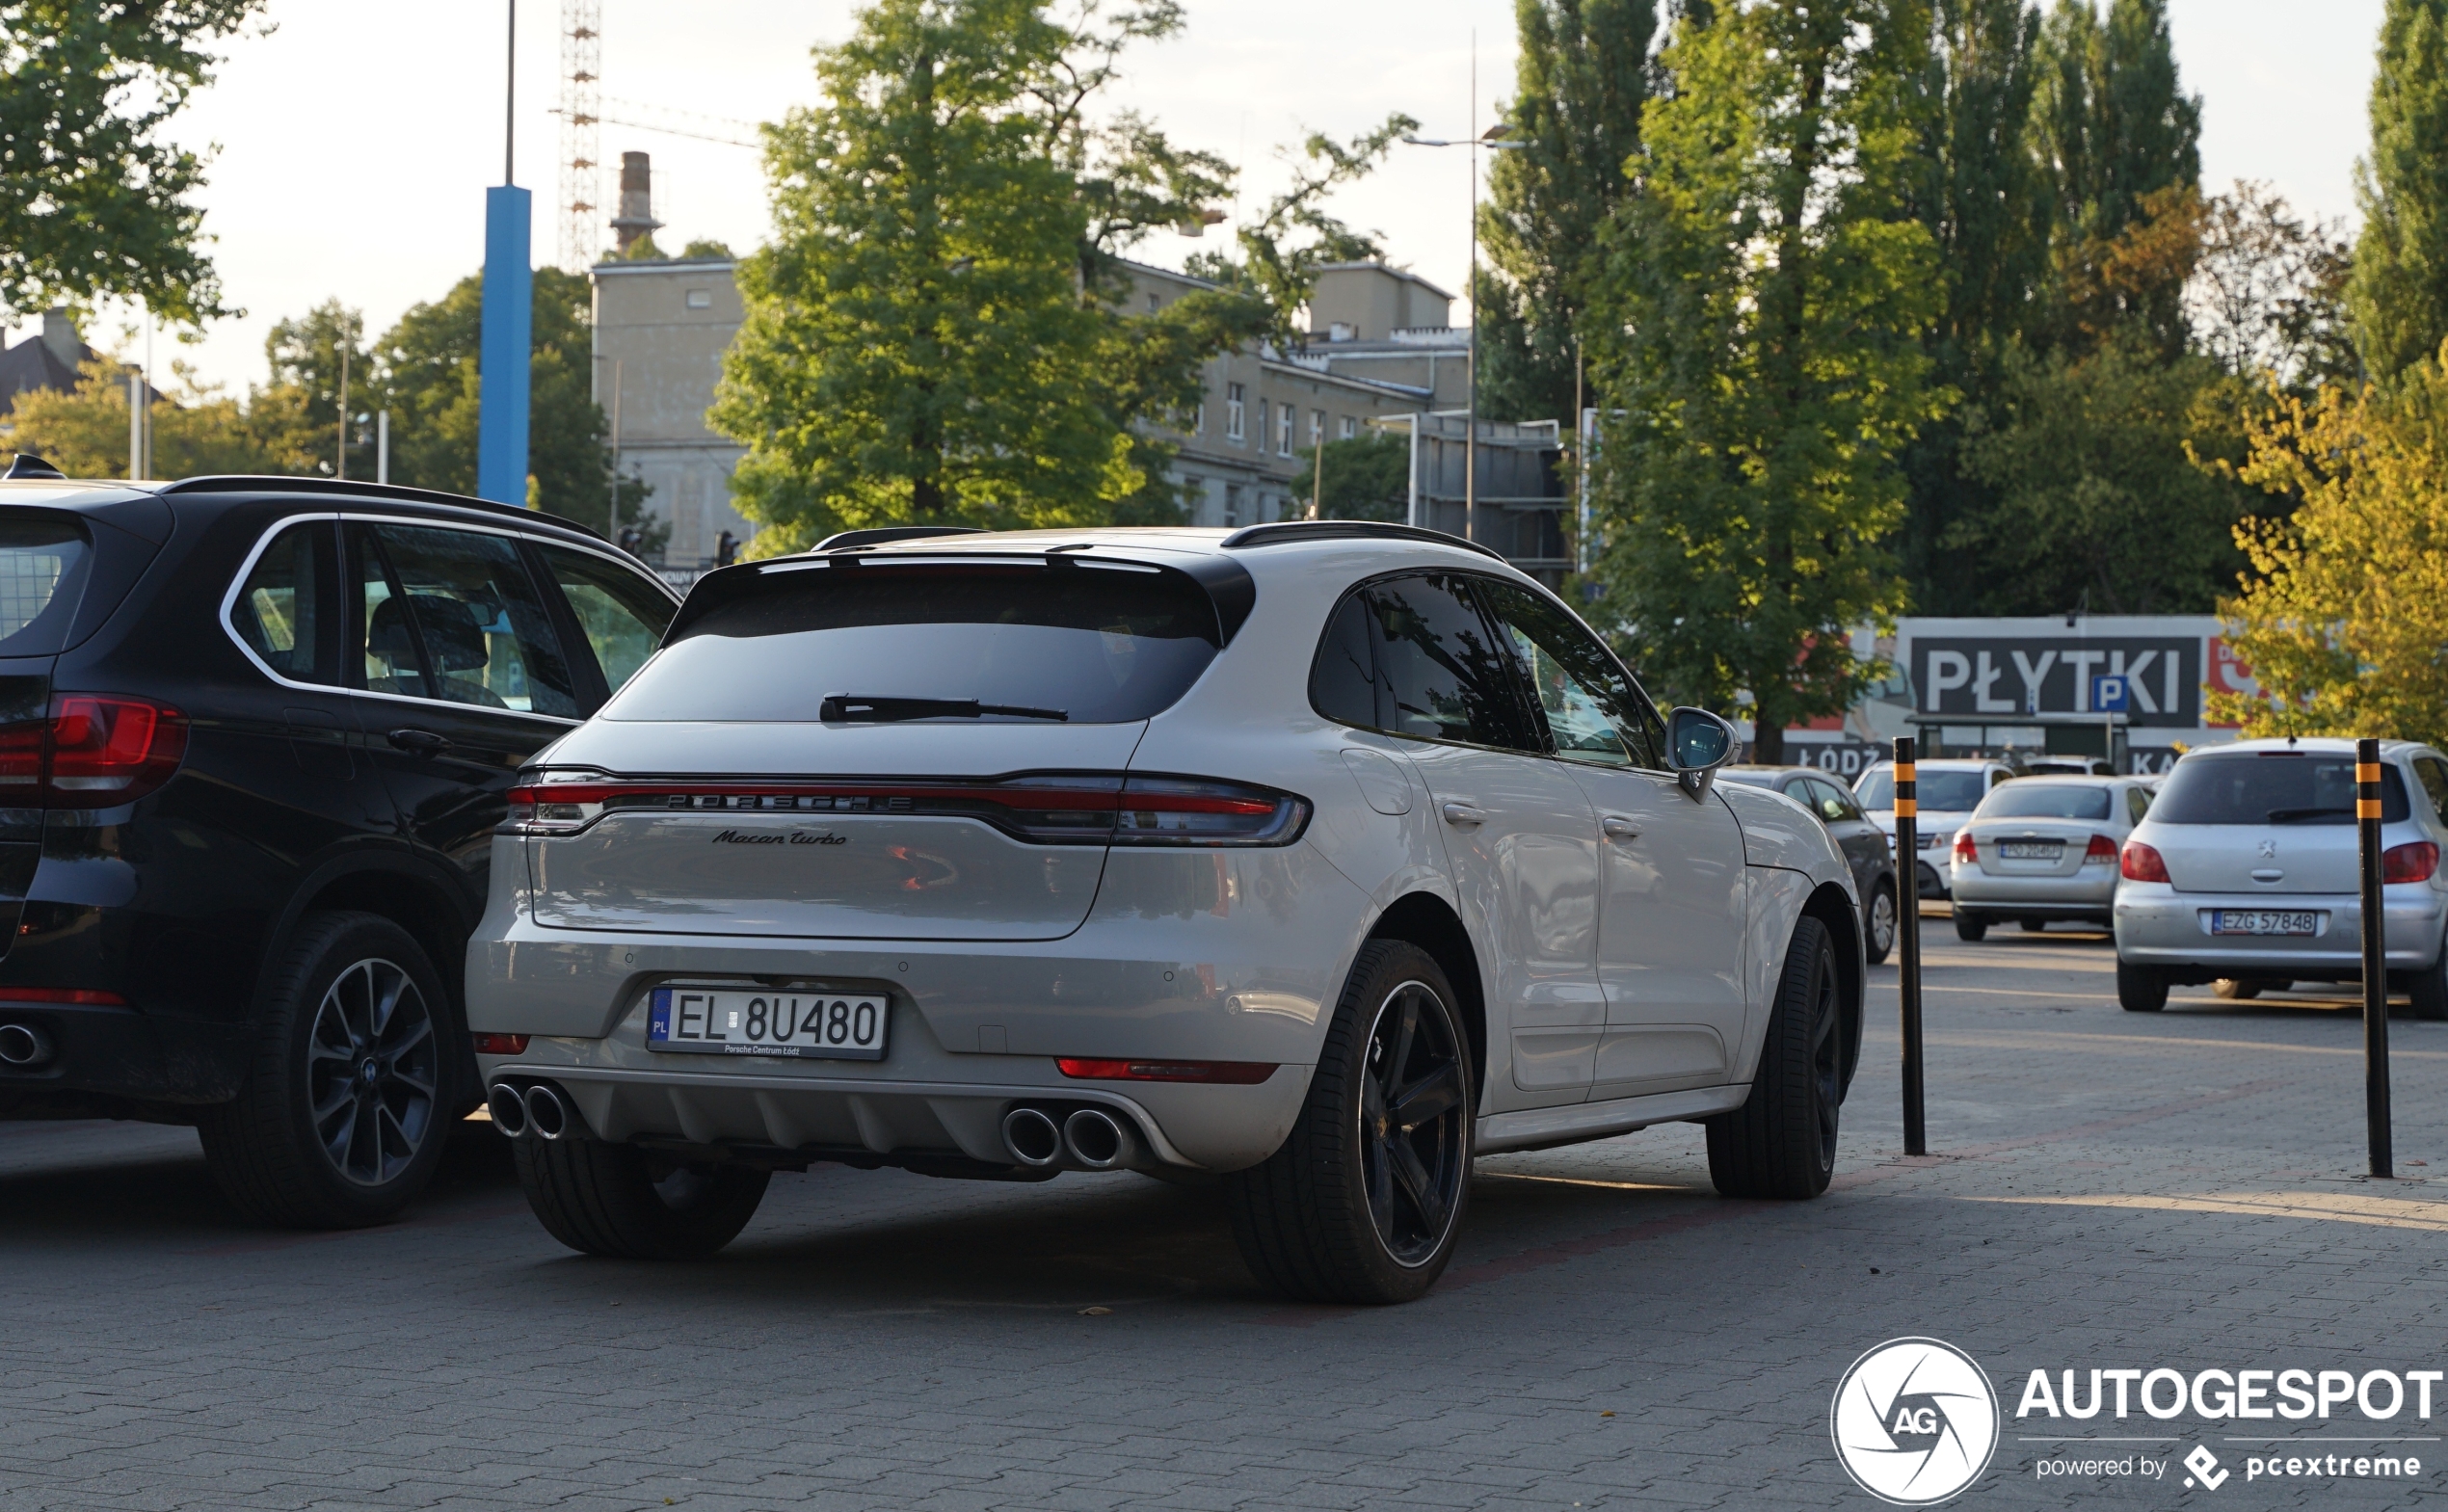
x=660, y=331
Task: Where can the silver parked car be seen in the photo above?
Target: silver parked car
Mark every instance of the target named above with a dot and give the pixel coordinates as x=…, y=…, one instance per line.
x=2043, y=848
x=2245, y=871
x=1951, y=789
x=1321, y=855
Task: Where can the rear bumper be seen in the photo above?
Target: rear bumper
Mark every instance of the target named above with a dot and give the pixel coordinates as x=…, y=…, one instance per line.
x=2158, y=926
x=103, y=1059
x=2082, y=896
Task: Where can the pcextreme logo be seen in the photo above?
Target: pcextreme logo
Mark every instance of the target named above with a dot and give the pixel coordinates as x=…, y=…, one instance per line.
x=1915, y=1421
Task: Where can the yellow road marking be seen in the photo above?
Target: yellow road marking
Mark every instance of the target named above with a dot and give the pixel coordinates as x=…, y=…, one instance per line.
x=2043, y=1039
x=2380, y=1213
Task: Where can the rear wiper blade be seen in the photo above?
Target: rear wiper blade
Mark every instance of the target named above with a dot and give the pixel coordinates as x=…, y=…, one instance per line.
x=859, y=707
x=2287, y=815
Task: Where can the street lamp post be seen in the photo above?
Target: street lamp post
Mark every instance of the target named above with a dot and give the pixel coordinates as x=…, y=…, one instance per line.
x=1498, y=139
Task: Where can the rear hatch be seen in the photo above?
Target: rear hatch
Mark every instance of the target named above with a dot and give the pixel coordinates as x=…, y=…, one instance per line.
x=2267, y=822
x=894, y=746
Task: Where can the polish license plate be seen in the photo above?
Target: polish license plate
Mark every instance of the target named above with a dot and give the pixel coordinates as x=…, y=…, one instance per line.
x=2031, y=850
x=711, y=1021
x=2263, y=921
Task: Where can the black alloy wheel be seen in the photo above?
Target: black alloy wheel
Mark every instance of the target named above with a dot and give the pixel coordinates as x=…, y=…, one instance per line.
x=1411, y=1116
x=359, y=1069
x=1781, y=1142
x=373, y=1071
x=1364, y=1197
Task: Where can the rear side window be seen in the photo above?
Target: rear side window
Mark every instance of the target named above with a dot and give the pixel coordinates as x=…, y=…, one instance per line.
x=1434, y=666
x=2137, y=804
x=44, y=560
x=278, y=609
x=2277, y=788
x=622, y=615
x=2045, y=801
x=1091, y=643
x=2432, y=774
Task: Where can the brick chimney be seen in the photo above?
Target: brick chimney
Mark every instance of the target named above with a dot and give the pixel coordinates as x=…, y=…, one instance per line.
x=637, y=201
x=60, y=336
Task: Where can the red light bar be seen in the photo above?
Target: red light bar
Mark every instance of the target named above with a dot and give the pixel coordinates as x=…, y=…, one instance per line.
x=62, y=994
x=501, y=1044
x=1215, y=1073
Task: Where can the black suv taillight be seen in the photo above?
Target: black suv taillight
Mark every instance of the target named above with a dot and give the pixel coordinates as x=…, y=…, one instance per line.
x=93, y=750
x=1049, y=809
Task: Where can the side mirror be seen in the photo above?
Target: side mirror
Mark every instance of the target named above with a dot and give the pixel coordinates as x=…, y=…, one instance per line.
x=1697, y=744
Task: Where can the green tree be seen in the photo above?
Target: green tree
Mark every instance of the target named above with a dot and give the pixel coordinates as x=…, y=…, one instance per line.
x=306, y=355
x=2118, y=142
x=1980, y=196
x=1278, y=251
x=92, y=201
x=2267, y=293
x=1368, y=477
x=1582, y=76
x=427, y=377
x=2398, y=295
x=2100, y=497
x=933, y=333
x=83, y=430
x=1773, y=290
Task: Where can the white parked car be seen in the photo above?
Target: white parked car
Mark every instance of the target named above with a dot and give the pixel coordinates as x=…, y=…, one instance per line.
x=2043, y=848
x=1951, y=789
x=2246, y=873
x=1323, y=856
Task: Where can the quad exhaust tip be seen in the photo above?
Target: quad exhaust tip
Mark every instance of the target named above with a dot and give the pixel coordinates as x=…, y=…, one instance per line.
x=548, y=1116
x=509, y=1109
x=1032, y=1138
x=23, y=1045
x=1096, y=1140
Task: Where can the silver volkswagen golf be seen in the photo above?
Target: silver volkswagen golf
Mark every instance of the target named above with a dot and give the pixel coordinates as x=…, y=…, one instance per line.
x=1318, y=857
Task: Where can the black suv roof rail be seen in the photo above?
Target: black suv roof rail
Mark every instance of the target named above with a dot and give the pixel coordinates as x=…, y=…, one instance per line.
x=1285, y=532
x=242, y=483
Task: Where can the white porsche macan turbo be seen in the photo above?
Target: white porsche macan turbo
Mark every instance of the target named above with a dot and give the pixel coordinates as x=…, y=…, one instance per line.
x=1321, y=857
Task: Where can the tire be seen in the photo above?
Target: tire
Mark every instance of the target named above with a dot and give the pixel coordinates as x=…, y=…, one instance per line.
x=2236, y=988
x=1781, y=1142
x=1969, y=927
x=2139, y=989
x=625, y=1203
x=2034, y=927
x=1878, y=923
x=1356, y=1206
x=2429, y=987
x=354, y=1021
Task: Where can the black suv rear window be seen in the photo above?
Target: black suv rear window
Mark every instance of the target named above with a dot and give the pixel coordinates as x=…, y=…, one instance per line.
x=43, y=559
x=1090, y=642
x=2277, y=788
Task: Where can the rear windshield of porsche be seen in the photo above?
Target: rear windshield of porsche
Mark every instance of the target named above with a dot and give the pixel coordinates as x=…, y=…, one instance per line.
x=1020, y=640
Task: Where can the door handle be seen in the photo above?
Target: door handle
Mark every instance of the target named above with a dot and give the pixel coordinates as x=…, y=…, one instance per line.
x=1618, y=828
x=419, y=742
x=1464, y=815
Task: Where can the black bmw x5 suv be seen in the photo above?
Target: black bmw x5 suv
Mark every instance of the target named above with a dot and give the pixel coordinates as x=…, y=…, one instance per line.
x=255, y=736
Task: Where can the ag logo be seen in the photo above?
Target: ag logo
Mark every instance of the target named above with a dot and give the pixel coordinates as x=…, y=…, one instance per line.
x=1915, y=1421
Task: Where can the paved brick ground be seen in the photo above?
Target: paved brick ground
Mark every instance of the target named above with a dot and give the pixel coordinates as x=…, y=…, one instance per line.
x=2112, y=1190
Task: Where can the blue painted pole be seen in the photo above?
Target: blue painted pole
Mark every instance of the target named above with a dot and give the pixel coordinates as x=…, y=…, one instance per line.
x=502, y=395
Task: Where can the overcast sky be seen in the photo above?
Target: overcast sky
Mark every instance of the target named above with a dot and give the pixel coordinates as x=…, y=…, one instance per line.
x=355, y=141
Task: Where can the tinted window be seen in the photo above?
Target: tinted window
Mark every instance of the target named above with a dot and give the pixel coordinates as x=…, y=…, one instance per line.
x=2432, y=773
x=279, y=610
x=1949, y=792
x=1442, y=673
x=622, y=615
x=460, y=608
x=2045, y=801
x=1591, y=710
x=1098, y=643
x=44, y=558
x=1876, y=788
x=1343, y=683
x=2276, y=788
x=2136, y=803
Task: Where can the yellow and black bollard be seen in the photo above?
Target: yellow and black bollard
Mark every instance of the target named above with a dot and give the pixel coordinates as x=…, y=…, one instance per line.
x=1909, y=939
x=2367, y=822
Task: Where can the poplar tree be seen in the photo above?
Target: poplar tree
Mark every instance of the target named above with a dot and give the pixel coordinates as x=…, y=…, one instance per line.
x=1771, y=290
x=2397, y=298
x=1582, y=77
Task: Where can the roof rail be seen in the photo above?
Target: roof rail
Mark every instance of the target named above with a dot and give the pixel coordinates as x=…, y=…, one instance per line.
x=26, y=464
x=846, y=540
x=240, y=483
x=1285, y=532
